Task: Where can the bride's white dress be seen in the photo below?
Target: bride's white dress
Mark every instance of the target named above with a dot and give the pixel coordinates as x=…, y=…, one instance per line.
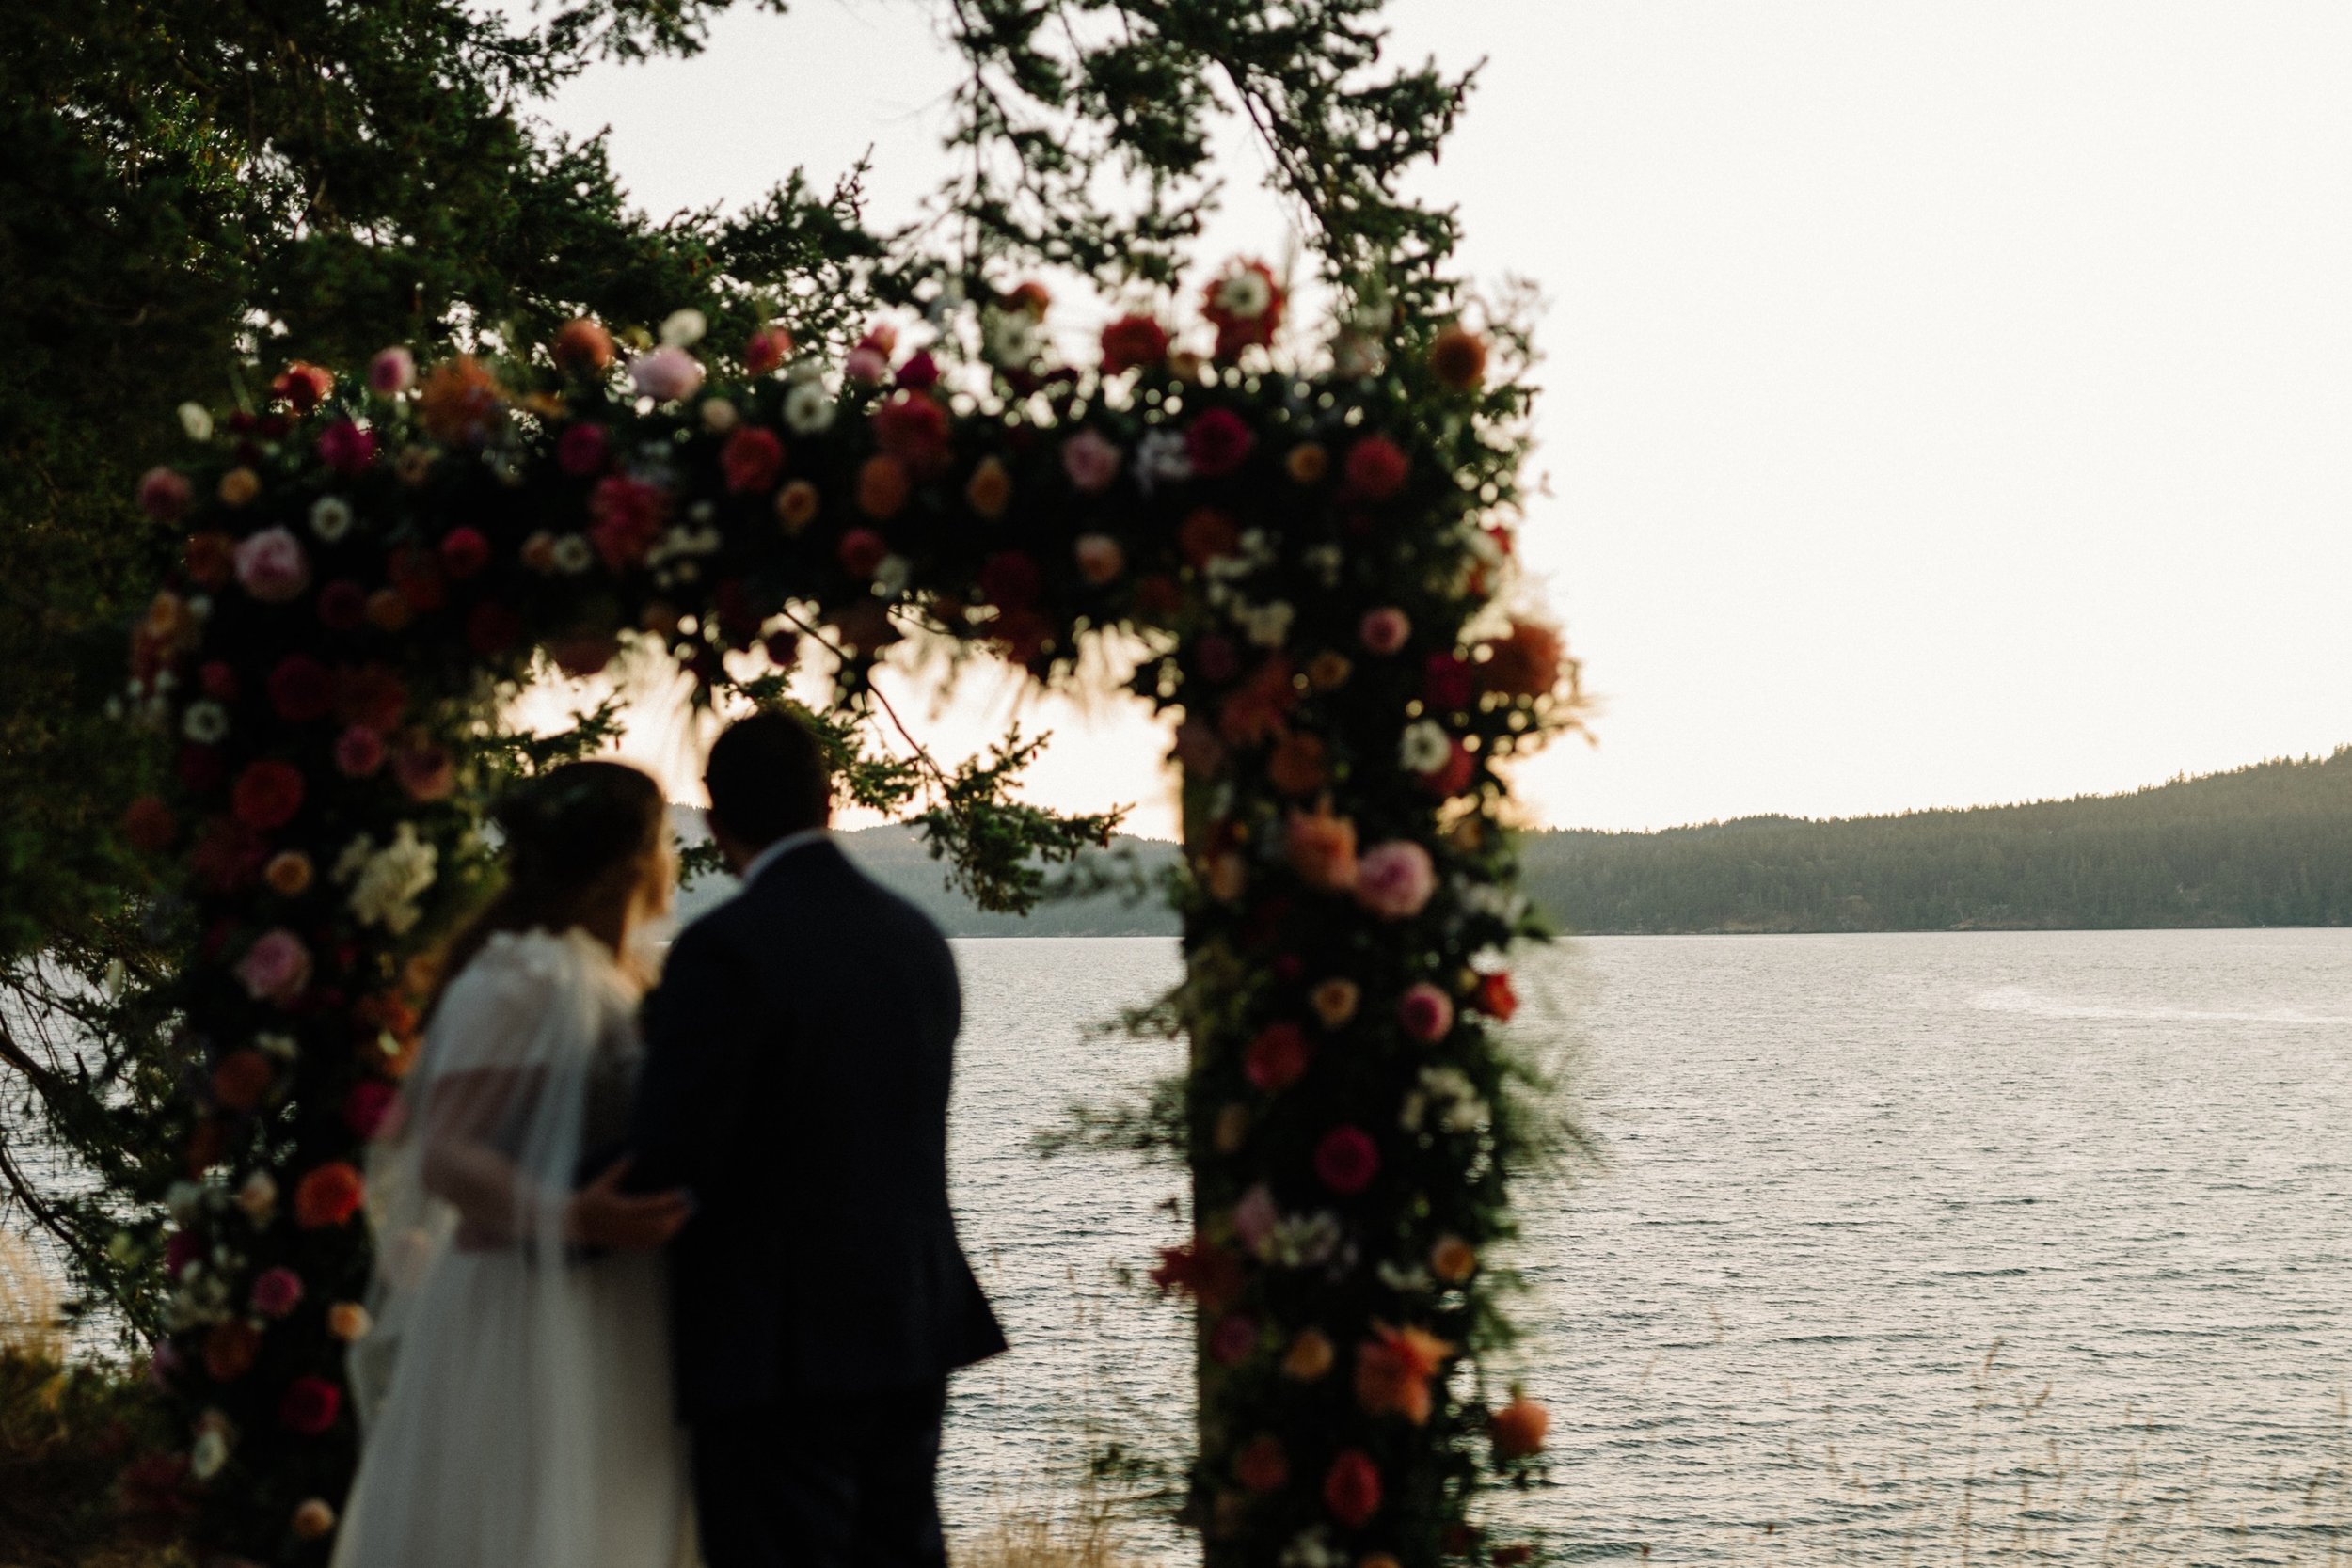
x=516, y=1396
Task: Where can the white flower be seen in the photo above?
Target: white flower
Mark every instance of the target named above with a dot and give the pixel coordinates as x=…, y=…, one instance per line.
x=1447, y=1093
x=209, y=1453
x=1324, y=562
x=386, y=882
x=1302, y=1241
x=573, y=554
x=330, y=518
x=196, y=421
x=1267, y=625
x=1313, y=1548
x=1012, y=338
x=890, y=576
x=684, y=328
x=1354, y=357
x=204, y=723
x=808, y=408
x=1160, y=460
x=258, y=1197
x=280, y=1046
x=200, y=606
x=1245, y=292
x=1425, y=748
x=1404, y=1278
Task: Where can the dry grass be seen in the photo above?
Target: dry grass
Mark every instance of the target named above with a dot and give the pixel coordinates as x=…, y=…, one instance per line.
x=30, y=1325
x=1083, y=1536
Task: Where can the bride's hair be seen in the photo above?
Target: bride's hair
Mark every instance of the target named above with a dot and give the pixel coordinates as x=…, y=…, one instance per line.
x=572, y=836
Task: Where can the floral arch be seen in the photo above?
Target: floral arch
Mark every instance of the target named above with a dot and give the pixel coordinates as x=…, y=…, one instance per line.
x=1316, y=566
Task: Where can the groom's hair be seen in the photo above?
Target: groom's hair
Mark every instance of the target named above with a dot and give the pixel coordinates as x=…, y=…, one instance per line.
x=767, y=777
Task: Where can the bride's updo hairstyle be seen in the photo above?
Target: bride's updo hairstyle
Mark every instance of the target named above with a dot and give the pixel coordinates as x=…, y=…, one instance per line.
x=579, y=839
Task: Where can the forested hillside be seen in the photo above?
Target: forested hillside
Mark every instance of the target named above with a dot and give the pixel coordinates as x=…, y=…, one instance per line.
x=2269, y=844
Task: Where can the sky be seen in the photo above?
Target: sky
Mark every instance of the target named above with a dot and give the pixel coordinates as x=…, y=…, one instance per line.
x=1944, y=403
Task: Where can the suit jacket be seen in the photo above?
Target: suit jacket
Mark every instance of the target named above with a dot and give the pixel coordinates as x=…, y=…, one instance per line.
x=799, y=1054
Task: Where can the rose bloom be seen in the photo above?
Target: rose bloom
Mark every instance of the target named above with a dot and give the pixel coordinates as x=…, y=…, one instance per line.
x=796, y=505
x=1278, y=1057
x=1384, y=630
x=1090, y=461
x=1459, y=359
x=1309, y=1357
x=861, y=552
x=1376, y=467
x=751, y=459
x=1218, y=442
x=163, y=493
x=1261, y=1466
x=1300, y=764
x=990, y=489
x=1526, y=663
x=665, y=374
x=272, y=567
x=767, y=350
x=460, y=402
x=241, y=1080
x=392, y=370
x=277, y=1291
x=1321, y=848
x=1233, y=1338
x=464, y=551
x=1425, y=1012
x=1453, y=1259
x=347, y=448
x=882, y=486
x=150, y=826
x=1099, y=558
x=425, y=770
x=582, y=347
x=1351, y=1488
x=628, y=515
x=1335, y=1001
x=1395, y=879
x=276, y=968
x=1131, y=341
x=310, y=1406
x=580, y=449
x=267, y=794
x=288, y=873
x=328, y=1195
x=1347, y=1160
x=1495, y=997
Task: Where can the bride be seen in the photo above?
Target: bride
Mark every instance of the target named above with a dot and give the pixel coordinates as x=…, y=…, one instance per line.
x=517, y=1390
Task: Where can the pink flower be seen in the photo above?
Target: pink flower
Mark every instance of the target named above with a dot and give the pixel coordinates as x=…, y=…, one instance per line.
x=464, y=551
x=665, y=374
x=365, y=1107
x=347, y=448
x=1376, y=467
x=920, y=374
x=1425, y=1012
x=425, y=771
x=769, y=348
x=861, y=552
x=358, y=752
x=1448, y=683
x=311, y=1405
x=1384, y=630
x=276, y=1293
x=580, y=451
x=1255, y=1216
x=1347, y=1160
x=1395, y=879
x=628, y=515
x=1233, y=1338
x=1099, y=558
x=277, y=968
x=1218, y=442
x=392, y=370
x=163, y=493
x=272, y=565
x=1091, y=462
x=865, y=366
x=751, y=459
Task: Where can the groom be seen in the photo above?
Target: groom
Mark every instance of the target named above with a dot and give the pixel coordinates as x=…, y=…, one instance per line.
x=799, y=1051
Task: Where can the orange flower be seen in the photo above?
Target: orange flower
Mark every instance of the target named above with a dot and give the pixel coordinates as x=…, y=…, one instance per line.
x=1334, y=1001
x=796, y=505
x=460, y=402
x=990, y=489
x=1262, y=1465
x=288, y=873
x=1328, y=672
x=241, y=1080
x=1206, y=534
x=1526, y=663
x=349, y=1321
x=230, y=1350
x=1256, y=708
x=1311, y=1357
x=1233, y=1129
x=1300, y=764
x=1459, y=359
x=882, y=486
x=1453, y=1259
x=1394, y=1368
x=1306, y=462
x=582, y=347
x=1518, y=1428
x=328, y=1195
x=1321, y=848
x=314, y=1520
x=212, y=558
x=239, y=486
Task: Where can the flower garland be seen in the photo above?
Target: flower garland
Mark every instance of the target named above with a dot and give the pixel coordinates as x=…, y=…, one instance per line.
x=1318, y=569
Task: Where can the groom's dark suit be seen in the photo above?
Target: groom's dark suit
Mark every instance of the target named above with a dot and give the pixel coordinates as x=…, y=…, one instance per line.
x=798, y=1052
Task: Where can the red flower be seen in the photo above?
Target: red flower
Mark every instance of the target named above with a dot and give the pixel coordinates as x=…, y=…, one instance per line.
x=1495, y=997
x=228, y=854
x=1278, y=1057
x=751, y=459
x=1245, y=304
x=366, y=1106
x=1210, y=1274
x=328, y=1195
x=914, y=429
x=861, y=552
x=464, y=552
x=347, y=448
x=342, y=605
x=1453, y=775
x=303, y=386
x=580, y=451
x=1376, y=467
x=311, y=1405
x=1010, y=580
x=1526, y=663
x=920, y=374
x=1207, y=534
x=370, y=696
x=882, y=486
x=1233, y=1339
x=163, y=494
x=1258, y=708
x=1347, y=1160
x=492, y=628
x=1218, y=442
x=1448, y=683
x=1351, y=1488
x=241, y=1080
x=267, y=794
x=300, y=688
x=150, y=826
x=1261, y=1466
x=628, y=515
x=1132, y=341
x=766, y=350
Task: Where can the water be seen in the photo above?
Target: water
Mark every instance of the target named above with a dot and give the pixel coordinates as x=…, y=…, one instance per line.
x=1903, y=1248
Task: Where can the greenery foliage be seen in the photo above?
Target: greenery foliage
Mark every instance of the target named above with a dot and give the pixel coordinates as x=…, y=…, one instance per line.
x=2269, y=844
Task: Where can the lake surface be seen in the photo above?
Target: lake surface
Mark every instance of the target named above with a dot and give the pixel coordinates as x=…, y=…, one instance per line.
x=1902, y=1248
